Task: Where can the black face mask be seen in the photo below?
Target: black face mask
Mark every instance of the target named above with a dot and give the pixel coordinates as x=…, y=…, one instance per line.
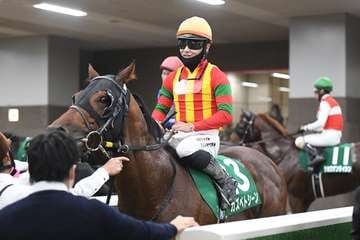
x=193, y=62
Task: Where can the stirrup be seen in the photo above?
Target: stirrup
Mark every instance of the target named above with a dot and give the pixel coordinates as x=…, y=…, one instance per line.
x=316, y=161
x=224, y=202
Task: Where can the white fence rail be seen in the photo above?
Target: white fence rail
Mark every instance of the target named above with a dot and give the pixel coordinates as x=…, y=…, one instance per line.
x=270, y=226
x=262, y=227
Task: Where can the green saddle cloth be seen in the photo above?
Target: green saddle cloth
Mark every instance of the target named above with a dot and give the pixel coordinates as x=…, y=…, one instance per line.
x=247, y=193
x=338, y=159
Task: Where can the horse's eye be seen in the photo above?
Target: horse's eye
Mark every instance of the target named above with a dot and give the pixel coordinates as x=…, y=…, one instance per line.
x=104, y=100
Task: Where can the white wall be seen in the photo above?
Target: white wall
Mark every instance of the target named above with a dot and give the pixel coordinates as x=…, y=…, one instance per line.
x=257, y=100
x=317, y=48
x=238, y=94
x=24, y=70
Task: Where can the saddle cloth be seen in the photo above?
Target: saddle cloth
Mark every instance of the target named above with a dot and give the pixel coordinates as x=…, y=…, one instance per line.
x=338, y=159
x=247, y=193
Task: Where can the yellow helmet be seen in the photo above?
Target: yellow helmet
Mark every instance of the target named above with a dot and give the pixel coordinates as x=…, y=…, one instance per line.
x=197, y=26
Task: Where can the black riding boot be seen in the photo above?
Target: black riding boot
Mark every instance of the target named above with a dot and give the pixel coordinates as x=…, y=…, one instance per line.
x=226, y=183
x=316, y=157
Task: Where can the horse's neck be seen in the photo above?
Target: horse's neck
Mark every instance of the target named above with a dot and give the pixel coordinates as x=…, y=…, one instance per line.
x=149, y=172
x=278, y=148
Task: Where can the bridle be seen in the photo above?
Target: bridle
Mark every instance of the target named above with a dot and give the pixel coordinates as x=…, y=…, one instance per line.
x=114, y=114
x=246, y=133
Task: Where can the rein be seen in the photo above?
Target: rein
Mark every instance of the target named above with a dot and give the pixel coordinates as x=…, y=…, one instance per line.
x=274, y=138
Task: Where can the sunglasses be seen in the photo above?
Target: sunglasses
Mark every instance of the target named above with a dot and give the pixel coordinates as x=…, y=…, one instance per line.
x=191, y=43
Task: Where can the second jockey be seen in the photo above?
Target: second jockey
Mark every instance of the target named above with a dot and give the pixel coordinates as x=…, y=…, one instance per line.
x=202, y=97
x=168, y=65
x=329, y=123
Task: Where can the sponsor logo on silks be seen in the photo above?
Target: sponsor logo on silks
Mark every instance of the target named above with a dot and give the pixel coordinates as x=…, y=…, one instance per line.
x=210, y=144
x=247, y=195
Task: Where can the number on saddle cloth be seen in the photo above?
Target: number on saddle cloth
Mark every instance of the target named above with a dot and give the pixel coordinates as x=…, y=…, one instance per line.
x=247, y=195
x=338, y=159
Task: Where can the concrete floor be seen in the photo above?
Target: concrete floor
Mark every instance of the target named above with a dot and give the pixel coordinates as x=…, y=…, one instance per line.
x=341, y=200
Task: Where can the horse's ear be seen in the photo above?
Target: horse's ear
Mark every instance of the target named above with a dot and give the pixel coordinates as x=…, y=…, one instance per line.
x=92, y=73
x=127, y=74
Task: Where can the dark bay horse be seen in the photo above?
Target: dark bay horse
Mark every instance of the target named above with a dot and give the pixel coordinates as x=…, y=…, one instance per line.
x=265, y=134
x=153, y=185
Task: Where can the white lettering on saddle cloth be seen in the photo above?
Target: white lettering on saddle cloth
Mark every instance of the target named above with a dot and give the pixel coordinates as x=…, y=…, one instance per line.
x=336, y=165
x=337, y=169
x=244, y=201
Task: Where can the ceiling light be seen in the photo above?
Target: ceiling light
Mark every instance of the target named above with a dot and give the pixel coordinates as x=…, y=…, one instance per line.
x=281, y=75
x=212, y=2
x=284, y=89
x=249, y=84
x=59, y=9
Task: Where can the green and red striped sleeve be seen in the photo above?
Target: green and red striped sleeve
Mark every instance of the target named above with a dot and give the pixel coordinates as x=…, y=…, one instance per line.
x=165, y=99
x=223, y=98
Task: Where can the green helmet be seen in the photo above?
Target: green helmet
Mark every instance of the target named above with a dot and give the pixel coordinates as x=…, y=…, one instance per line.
x=323, y=83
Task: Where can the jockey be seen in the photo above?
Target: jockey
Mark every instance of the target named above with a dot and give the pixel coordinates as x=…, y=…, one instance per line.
x=202, y=97
x=329, y=122
x=167, y=66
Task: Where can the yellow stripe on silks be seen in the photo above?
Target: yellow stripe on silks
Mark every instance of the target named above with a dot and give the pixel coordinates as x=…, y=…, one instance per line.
x=189, y=97
x=206, y=92
x=176, y=99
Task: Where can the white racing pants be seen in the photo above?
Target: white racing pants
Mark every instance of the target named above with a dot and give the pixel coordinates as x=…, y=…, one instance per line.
x=186, y=144
x=323, y=139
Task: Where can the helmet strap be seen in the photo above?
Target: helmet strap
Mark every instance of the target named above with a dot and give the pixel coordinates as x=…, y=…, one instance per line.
x=193, y=62
x=321, y=93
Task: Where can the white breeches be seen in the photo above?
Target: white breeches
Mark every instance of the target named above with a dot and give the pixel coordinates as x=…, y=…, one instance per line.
x=186, y=144
x=323, y=139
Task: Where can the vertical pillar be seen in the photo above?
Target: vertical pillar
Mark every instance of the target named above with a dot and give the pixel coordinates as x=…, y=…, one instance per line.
x=38, y=77
x=324, y=46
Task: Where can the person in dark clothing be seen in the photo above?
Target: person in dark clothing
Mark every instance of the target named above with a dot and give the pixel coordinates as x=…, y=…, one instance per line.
x=355, y=233
x=51, y=212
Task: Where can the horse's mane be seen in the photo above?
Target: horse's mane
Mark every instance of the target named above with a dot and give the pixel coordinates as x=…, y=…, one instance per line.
x=275, y=124
x=152, y=125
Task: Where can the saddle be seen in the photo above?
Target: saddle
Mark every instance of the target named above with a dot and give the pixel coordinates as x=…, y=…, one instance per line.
x=247, y=193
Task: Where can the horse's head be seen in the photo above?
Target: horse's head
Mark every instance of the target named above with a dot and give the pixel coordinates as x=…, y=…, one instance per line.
x=98, y=111
x=245, y=129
